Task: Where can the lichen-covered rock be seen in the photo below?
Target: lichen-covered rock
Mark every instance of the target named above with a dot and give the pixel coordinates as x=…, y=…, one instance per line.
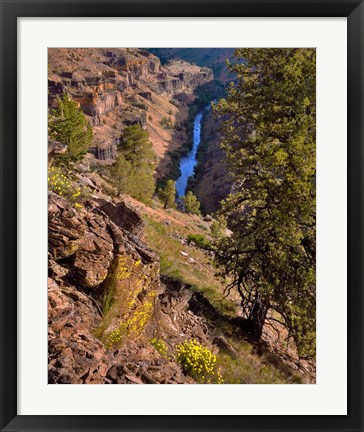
x=133, y=286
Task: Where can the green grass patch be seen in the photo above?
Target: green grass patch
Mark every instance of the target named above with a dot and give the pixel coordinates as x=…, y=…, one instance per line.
x=200, y=240
x=200, y=274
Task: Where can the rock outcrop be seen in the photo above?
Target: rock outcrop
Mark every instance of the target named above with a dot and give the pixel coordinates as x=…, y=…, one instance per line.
x=110, y=86
x=107, y=301
x=180, y=77
x=55, y=148
x=98, y=249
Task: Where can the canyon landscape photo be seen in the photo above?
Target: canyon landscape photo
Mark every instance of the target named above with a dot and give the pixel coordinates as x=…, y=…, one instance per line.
x=181, y=216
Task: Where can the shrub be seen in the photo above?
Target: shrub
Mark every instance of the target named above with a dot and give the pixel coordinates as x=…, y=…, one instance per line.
x=191, y=204
x=198, y=361
x=160, y=346
x=62, y=184
x=200, y=240
x=167, y=123
x=127, y=306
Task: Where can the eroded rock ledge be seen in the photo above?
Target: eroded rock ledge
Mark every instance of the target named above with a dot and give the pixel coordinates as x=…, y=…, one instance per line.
x=86, y=249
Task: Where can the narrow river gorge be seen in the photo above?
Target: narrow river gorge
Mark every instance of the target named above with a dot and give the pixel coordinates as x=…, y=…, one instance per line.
x=189, y=162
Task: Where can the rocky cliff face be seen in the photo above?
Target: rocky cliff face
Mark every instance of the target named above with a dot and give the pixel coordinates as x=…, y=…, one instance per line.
x=96, y=78
x=98, y=250
x=120, y=87
x=179, y=76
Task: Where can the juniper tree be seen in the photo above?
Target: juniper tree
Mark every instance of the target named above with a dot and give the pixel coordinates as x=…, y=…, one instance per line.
x=268, y=136
x=191, y=204
x=168, y=194
x=136, y=155
x=122, y=174
x=68, y=124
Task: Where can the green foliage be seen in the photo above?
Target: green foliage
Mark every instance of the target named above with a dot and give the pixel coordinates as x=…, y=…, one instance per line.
x=159, y=345
x=122, y=174
x=200, y=240
x=198, y=361
x=62, y=183
x=269, y=140
x=191, y=204
x=218, y=227
x=68, y=124
x=168, y=194
x=167, y=123
x=136, y=147
x=133, y=172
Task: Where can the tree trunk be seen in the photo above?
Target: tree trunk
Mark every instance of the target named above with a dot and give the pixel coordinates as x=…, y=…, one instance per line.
x=256, y=319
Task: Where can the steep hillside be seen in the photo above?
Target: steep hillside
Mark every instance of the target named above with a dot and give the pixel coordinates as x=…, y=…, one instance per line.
x=121, y=87
x=212, y=182
x=118, y=310
x=134, y=294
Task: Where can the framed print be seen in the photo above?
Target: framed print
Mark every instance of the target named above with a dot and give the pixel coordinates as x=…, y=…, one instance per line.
x=185, y=179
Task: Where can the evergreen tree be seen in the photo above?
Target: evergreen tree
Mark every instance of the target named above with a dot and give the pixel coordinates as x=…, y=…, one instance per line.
x=133, y=173
x=269, y=140
x=68, y=124
x=136, y=147
x=168, y=194
x=122, y=174
x=191, y=204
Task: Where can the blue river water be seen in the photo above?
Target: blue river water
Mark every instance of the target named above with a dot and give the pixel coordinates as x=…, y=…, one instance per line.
x=188, y=162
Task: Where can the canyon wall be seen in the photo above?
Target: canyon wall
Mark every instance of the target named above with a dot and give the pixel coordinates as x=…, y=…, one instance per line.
x=116, y=88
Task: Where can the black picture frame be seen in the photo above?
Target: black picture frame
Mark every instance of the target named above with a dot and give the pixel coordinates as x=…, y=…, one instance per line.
x=10, y=11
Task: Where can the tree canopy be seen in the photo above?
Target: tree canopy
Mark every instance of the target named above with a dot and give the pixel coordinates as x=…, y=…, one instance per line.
x=168, y=194
x=269, y=137
x=122, y=174
x=68, y=124
x=191, y=204
x=133, y=172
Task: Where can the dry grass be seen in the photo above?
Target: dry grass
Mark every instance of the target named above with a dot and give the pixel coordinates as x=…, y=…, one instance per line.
x=251, y=368
x=163, y=233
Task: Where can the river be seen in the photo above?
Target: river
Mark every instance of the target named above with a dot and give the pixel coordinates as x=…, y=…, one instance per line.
x=188, y=162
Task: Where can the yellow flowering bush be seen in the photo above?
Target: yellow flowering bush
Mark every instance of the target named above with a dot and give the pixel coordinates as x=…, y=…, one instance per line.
x=62, y=184
x=160, y=346
x=131, y=327
x=198, y=361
